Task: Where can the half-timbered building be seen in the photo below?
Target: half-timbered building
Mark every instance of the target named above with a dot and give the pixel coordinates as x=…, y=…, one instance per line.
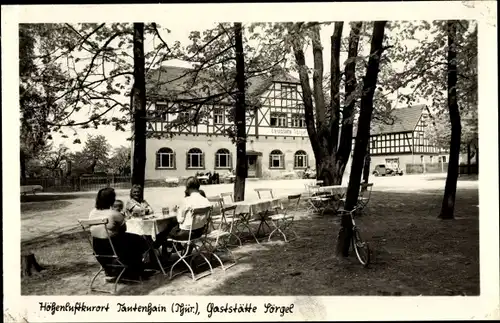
x=401, y=139
x=277, y=139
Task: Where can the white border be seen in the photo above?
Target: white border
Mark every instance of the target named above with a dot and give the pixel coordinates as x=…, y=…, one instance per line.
x=485, y=306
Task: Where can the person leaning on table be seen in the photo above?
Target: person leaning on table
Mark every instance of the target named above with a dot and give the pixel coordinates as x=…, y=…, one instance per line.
x=129, y=247
x=137, y=205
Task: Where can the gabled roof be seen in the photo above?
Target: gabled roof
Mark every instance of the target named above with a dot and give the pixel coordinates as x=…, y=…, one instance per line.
x=400, y=120
x=174, y=81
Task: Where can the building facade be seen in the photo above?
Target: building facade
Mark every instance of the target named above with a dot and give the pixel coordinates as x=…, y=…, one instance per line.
x=401, y=140
x=277, y=139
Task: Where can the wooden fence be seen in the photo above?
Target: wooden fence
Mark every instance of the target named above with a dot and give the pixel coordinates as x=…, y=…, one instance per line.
x=79, y=184
x=438, y=168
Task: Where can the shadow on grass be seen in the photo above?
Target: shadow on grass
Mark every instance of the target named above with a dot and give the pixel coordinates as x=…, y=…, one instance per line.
x=59, y=236
x=35, y=208
x=413, y=253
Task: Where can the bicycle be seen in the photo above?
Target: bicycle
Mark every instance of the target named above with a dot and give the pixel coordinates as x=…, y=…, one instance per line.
x=360, y=247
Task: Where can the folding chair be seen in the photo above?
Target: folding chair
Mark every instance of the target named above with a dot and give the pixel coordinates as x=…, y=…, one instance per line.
x=218, y=240
x=216, y=216
x=317, y=201
x=227, y=198
x=191, y=248
x=365, y=192
x=260, y=190
x=283, y=221
x=109, y=261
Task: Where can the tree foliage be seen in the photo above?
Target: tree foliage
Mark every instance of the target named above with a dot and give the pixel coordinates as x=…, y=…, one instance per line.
x=93, y=157
x=88, y=71
x=119, y=162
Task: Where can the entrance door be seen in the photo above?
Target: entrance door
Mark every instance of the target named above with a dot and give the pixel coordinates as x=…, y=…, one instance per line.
x=252, y=166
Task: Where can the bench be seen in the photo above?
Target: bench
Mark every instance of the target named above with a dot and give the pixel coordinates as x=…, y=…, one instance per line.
x=25, y=189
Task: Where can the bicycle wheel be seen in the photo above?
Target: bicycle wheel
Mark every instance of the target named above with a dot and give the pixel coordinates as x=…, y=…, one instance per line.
x=361, y=248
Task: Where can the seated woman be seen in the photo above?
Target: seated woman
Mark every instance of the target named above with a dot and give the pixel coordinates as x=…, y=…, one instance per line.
x=194, y=198
x=129, y=247
x=137, y=206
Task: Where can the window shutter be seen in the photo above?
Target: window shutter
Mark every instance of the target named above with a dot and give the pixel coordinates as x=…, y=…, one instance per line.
x=202, y=161
x=270, y=161
x=282, y=161
x=187, y=160
x=215, y=161
x=157, y=160
x=173, y=161
x=230, y=160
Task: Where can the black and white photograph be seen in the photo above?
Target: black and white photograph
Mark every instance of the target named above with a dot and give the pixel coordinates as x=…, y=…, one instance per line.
x=251, y=157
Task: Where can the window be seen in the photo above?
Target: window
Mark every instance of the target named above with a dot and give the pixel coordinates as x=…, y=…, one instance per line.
x=218, y=116
x=298, y=120
x=431, y=157
x=278, y=119
x=222, y=159
x=288, y=91
x=161, y=111
x=422, y=159
x=194, y=158
x=444, y=159
x=276, y=159
x=300, y=159
x=165, y=158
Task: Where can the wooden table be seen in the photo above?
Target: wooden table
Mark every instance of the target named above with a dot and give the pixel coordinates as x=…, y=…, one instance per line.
x=256, y=211
x=336, y=190
x=148, y=227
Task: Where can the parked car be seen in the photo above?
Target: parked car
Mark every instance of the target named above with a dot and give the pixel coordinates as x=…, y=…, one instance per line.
x=382, y=170
x=394, y=171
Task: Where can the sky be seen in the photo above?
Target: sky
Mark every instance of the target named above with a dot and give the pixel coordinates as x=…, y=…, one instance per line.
x=179, y=31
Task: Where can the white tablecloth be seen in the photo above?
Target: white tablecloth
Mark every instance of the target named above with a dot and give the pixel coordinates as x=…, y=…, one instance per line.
x=149, y=227
x=254, y=207
x=334, y=189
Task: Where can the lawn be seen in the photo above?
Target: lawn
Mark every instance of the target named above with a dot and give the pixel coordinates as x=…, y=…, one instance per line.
x=414, y=253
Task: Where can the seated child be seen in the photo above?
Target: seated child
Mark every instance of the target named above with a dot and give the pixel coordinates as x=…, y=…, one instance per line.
x=118, y=206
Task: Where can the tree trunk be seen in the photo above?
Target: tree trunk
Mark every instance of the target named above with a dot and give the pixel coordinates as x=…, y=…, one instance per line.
x=28, y=262
x=450, y=190
x=363, y=135
x=468, y=158
x=23, y=167
x=366, y=167
x=240, y=118
x=345, y=145
x=139, y=108
x=335, y=77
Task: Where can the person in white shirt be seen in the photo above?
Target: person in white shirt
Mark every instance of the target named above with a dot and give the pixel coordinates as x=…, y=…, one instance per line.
x=194, y=198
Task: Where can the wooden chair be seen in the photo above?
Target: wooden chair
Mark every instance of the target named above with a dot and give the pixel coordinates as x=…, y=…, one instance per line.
x=218, y=240
x=317, y=201
x=227, y=198
x=190, y=247
x=110, y=261
x=216, y=216
x=261, y=190
x=283, y=221
x=365, y=192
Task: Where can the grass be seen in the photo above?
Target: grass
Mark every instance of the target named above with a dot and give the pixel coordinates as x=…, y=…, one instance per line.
x=414, y=253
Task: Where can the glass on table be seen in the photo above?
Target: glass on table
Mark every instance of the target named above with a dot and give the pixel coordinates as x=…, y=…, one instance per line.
x=165, y=211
